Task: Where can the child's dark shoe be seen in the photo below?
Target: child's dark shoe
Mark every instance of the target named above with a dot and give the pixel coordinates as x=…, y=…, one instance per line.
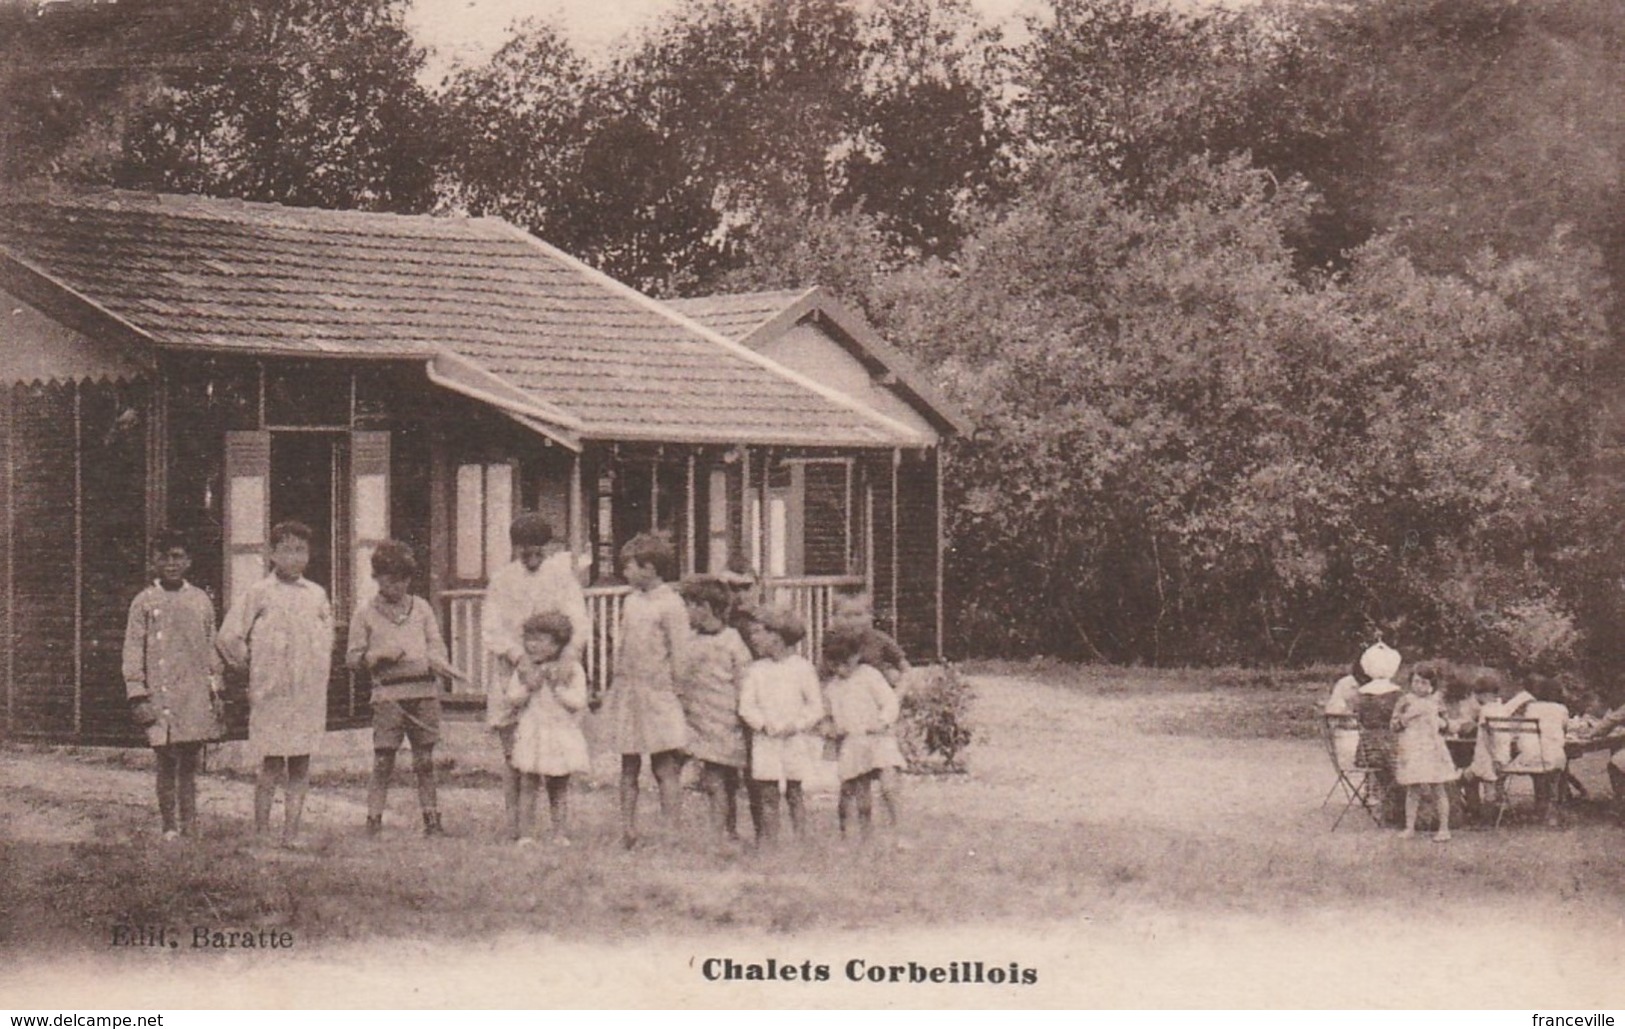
x=375, y=824
x=431, y=824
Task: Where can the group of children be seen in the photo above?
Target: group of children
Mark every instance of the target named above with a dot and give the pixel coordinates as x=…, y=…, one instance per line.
x=698, y=673
x=1400, y=733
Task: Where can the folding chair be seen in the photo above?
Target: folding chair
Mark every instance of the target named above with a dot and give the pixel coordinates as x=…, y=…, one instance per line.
x=1517, y=747
x=1341, y=735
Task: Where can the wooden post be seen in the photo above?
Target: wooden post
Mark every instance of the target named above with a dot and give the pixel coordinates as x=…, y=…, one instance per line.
x=9, y=640
x=577, y=515
x=896, y=611
x=941, y=523
x=688, y=515
x=746, y=543
x=79, y=561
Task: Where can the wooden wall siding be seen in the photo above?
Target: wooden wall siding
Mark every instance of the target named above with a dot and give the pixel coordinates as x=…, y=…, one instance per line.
x=825, y=515
x=878, y=472
x=917, y=556
x=113, y=475
x=43, y=661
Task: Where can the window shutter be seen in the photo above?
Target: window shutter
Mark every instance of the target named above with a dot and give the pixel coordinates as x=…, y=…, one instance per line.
x=247, y=510
x=369, y=474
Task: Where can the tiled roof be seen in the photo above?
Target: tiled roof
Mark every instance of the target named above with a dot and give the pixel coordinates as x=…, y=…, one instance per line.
x=736, y=315
x=193, y=272
x=758, y=319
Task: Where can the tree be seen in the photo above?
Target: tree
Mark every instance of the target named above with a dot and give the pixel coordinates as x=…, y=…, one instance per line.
x=1186, y=452
x=297, y=101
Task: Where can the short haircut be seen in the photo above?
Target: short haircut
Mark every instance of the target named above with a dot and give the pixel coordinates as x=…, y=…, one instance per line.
x=1433, y=671
x=167, y=539
x=708, y=592
x=841, y=644
x=782, y=622
x=290, y=530
x=530, y=529
x=854, y=604
x=653, y=550
x=394, y=559
x=550, y=623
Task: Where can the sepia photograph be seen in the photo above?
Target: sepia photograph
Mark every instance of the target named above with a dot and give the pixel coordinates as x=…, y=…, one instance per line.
x=785, y=504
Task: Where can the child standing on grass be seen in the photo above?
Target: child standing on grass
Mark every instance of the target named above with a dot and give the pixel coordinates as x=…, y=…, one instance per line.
x=281, y=630
x=881, y=652
x=1422, y=762
x=717, y=660
x=550, y=690
x=172, y=677
x=863, y=709
x=396, y=637
x=642, y=709
x=780, y=701
x=535, y=581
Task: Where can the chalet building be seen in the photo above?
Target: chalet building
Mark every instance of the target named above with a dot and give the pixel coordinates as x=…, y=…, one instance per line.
x=219, y=366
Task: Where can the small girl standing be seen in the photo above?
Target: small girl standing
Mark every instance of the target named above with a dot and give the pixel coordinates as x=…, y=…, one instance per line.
x=1421, y=760
x=863, y=708
x=641, y=707
x=717, y=660
x=780, y=702
x=549, y=689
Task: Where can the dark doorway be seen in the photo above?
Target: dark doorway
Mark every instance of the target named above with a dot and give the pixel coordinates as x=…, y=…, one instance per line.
x=304, y=469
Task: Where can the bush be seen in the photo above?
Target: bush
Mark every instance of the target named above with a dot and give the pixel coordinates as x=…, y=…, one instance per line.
x=935, y=726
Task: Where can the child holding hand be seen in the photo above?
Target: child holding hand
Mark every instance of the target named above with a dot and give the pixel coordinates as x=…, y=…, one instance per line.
x=1422, y=762
x=863, y=708
x=780, y=701
x=549, y=689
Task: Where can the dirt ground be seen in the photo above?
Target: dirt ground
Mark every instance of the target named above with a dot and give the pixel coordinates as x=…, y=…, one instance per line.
x=1127, y=863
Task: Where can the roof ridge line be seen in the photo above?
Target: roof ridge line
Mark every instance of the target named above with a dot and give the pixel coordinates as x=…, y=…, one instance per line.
x=709, y=334
x=212, y=208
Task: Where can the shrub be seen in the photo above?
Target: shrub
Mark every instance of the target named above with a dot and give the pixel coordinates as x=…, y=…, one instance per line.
x=935, y=726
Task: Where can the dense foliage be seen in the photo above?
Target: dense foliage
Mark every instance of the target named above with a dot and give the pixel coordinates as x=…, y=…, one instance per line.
x=1281, y=327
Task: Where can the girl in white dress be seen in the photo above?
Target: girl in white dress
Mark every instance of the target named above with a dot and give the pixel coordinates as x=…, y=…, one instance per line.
x=1421, y=760
x=550, y=690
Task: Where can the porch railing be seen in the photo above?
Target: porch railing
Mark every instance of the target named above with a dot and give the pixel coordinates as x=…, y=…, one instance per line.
x=813, y=597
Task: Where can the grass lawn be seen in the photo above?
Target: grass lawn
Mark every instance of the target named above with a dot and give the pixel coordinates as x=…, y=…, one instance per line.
x=1143, y=838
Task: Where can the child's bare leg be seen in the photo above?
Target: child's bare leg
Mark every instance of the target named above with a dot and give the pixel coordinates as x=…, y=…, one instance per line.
x=847, y=807
x=767, y=804
x=1412, y=797
x=891, y=794
x=1441, y=804
x=428, y=794
x=558, y=805
x=864, y=795
x=529, y=783
x=187, y=755
x=272, y=771
x=797, y=805
x=631, y=766
x=668, y=772
x=383, y=770
x=298, y=787
x=730, y=801
x=164, y=761
x=711, y=786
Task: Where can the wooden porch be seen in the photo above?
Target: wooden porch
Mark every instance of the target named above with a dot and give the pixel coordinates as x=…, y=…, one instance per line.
x=813, y=597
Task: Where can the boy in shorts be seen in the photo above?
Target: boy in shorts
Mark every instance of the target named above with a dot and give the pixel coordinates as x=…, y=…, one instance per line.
x=396, y=637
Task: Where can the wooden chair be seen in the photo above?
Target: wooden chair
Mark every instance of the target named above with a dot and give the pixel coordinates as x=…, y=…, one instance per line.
x=1517, y=747
x=1358, y=783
